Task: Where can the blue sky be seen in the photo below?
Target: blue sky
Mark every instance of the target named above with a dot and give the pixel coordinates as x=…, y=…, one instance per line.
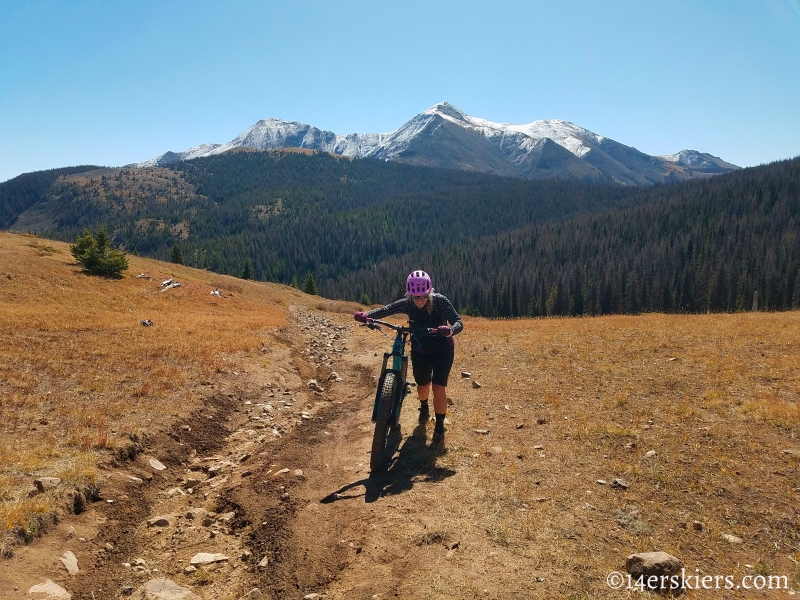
x=109, y=83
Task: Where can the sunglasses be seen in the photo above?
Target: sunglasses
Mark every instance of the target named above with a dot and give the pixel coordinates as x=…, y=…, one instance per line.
x=419, y=297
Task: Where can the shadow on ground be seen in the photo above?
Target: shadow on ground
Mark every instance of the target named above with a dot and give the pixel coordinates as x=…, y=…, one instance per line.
x=415, y=461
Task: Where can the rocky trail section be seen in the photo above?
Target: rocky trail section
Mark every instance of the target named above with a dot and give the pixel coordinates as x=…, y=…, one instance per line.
x=229, y=499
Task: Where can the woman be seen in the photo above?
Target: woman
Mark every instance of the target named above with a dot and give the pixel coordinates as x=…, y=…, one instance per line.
x=431, y=356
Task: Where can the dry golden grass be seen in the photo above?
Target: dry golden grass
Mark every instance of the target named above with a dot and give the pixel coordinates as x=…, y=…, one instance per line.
x=723, y=395
x=79, y=373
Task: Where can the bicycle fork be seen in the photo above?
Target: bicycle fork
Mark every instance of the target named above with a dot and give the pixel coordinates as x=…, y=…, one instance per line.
x=401, y=389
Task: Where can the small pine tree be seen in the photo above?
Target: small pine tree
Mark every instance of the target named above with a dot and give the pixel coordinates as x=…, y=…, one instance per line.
x=247, y=272
x=366, y=300
x=294, y=282
x=95, y=254
x=310, y=286
x=176, y=256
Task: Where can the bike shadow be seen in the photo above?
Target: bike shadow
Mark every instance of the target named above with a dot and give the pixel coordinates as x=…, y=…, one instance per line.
x=415, y=461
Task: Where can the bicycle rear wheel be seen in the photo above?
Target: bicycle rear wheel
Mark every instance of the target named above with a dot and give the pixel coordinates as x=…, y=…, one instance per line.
x=377, y=458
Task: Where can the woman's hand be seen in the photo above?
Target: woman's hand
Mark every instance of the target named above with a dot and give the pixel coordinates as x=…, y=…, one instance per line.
x=361, y=317
x=444, y=331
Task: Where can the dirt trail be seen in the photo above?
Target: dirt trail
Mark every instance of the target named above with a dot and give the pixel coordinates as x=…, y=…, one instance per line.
x=268, y=473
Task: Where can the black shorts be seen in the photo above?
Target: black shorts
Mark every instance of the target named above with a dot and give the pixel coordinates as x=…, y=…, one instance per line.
x=432, y=367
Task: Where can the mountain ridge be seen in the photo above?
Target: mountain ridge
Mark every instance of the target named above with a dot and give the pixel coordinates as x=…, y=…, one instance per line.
x=445, y=136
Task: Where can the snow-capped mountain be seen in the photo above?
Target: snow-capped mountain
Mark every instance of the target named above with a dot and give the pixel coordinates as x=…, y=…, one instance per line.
x=444, y=136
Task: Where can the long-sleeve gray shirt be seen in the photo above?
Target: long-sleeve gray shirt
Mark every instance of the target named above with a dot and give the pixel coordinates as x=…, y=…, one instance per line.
x=406, y=305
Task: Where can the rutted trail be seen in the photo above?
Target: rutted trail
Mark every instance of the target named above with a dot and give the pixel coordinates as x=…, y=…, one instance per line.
x=229, y=500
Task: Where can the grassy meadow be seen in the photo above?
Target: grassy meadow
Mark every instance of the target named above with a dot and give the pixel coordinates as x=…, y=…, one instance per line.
x=80, y=374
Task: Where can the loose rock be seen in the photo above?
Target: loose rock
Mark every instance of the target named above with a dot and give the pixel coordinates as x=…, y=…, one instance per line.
x=166, y=589
x=161, y=521
x=70, y=562
x=314, y=386
x=732, y=538
x=476, y=385
x=206, y=558
x=658, y=564
x=52, y=590
x=254, y=594
x=195, y=513
x=620, y=484
x=157, y=465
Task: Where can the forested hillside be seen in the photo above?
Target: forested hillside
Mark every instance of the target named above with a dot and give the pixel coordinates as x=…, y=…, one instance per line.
x=497, y=246
x=693, y=247
x=290, y=213
x=20, y=193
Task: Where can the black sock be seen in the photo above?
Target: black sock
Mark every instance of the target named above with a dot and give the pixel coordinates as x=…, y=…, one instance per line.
x=440, y=421
x=423, y=404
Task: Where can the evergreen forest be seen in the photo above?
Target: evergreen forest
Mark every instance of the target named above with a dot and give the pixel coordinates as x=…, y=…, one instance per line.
x=496, y=246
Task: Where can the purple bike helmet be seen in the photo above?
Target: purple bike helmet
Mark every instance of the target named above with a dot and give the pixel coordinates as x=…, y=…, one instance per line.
x=418, y=283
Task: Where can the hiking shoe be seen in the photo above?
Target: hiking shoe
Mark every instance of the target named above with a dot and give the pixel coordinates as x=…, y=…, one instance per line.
x=438, y=436
x=424, y=412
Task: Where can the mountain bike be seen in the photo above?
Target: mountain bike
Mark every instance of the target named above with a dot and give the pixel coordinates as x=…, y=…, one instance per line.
x=393, y=387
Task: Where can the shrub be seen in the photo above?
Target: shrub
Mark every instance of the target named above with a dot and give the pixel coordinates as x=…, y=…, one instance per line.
x=95, y=254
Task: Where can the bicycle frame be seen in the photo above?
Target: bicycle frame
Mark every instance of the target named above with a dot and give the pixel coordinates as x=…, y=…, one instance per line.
x=400, y=368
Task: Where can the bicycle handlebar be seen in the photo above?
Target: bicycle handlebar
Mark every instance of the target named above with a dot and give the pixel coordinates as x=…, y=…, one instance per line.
x=375, y=323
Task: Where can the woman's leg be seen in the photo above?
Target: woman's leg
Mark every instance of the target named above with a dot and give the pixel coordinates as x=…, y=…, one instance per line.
x=439, y=399
x=442, y=364
x=424, y=392
x=422, y=367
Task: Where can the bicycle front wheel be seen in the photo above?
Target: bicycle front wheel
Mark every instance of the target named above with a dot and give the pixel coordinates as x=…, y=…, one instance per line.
x=377, y=458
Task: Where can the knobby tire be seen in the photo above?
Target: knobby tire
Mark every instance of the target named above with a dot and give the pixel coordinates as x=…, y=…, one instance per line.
x=382, y=423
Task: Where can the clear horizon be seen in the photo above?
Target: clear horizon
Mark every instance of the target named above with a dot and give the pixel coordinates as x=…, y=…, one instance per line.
x=89, y=82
